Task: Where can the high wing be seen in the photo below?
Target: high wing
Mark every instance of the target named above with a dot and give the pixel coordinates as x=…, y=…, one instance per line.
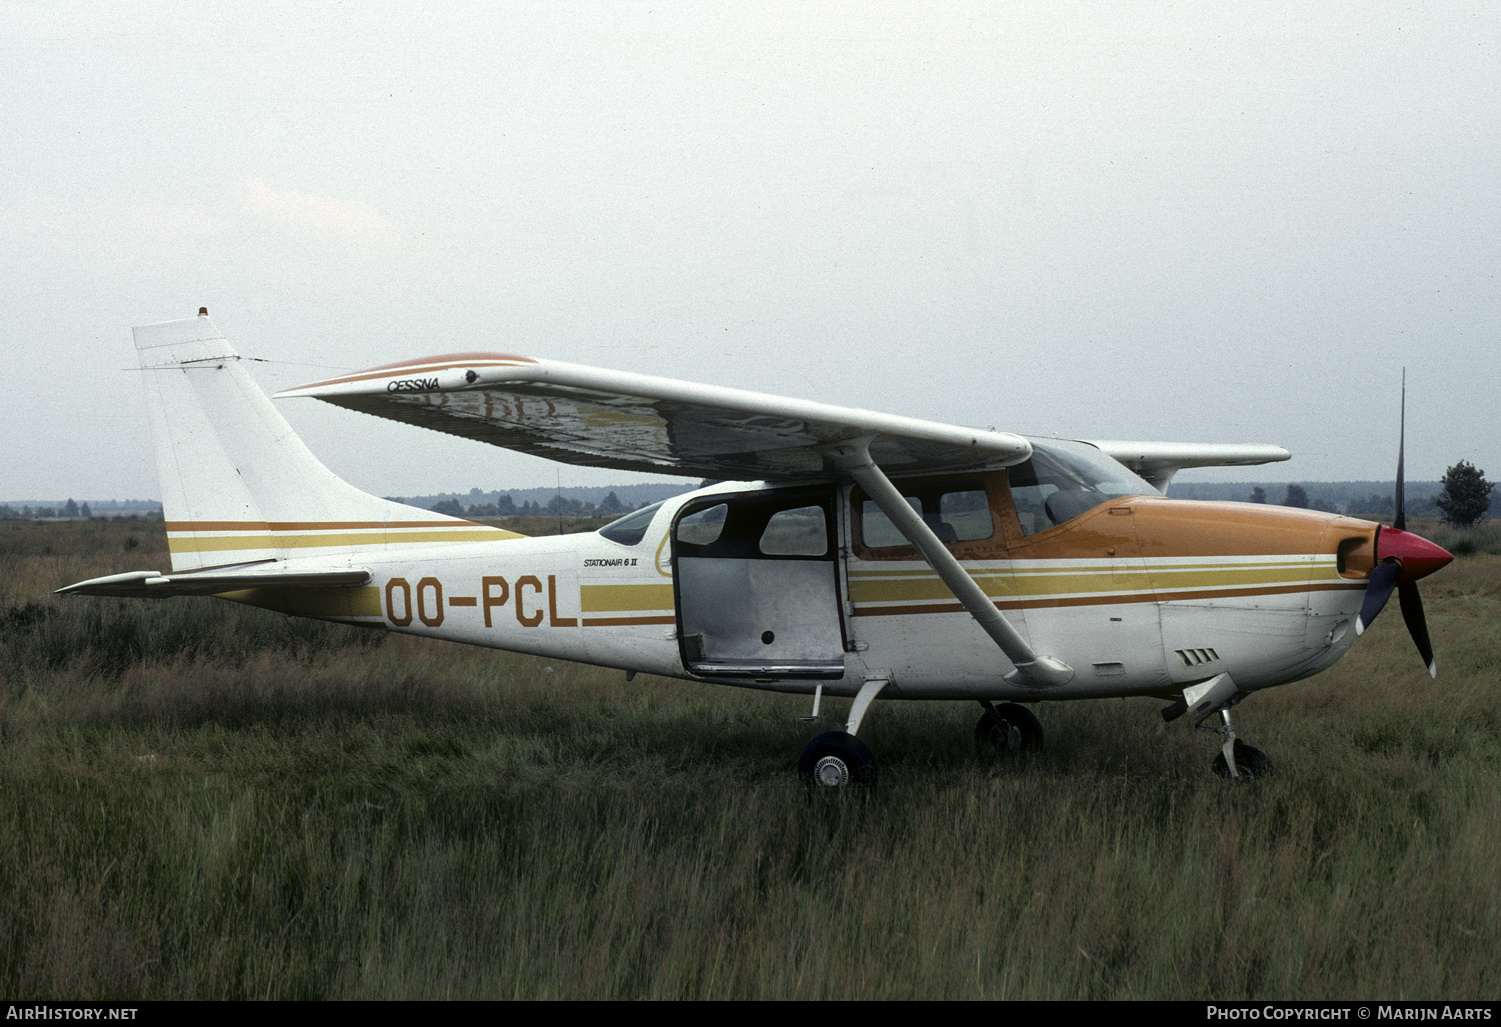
x=1157, y=462
x=600, y=418
x=152, y=585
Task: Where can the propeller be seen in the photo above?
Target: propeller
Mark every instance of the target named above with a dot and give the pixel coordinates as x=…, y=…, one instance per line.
x=1401, y=559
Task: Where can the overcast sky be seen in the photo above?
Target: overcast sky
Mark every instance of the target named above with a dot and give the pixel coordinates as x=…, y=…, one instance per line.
x=1202, y=222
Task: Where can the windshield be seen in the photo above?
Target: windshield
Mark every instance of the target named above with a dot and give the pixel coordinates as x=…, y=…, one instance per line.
x=1065, y=479
x=631, y=528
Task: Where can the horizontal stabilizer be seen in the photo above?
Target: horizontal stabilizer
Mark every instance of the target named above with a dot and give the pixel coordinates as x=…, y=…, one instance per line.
x=1157, y=462
x=151, y=585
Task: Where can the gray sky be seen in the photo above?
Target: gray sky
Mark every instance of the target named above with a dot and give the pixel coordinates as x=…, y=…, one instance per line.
x=1203, y=222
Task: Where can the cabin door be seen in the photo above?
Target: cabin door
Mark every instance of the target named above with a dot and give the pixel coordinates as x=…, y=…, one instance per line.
x=757, y=588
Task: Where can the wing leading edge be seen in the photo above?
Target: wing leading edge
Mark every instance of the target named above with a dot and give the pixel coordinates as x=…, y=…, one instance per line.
x=601, y=418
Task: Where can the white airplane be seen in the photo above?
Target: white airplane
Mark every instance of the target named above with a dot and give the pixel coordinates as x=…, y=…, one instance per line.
x=848, y=553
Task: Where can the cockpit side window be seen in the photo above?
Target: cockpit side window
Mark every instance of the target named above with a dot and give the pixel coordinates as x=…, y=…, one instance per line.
x=956, y=511
x=1066, y=479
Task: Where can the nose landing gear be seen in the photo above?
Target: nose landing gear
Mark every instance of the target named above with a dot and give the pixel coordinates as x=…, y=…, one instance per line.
x=1236, y=761
x=1251, y=764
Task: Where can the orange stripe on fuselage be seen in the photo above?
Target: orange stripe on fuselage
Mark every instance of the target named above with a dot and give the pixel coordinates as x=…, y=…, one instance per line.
x=1163, y=528
x=1152, y=527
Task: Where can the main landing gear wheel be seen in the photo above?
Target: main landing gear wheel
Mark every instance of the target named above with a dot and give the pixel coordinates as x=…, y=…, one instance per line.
x=1250, y=763
x=833, y=762
x=1008, y=728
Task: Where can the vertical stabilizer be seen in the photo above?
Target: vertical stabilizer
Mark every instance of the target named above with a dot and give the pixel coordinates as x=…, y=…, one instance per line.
x=238, y=485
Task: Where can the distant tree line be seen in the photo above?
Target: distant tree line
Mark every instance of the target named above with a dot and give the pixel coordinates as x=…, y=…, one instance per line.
x=559, y=506
x=1464, y=500
x=69, y=509
x=1297, y=497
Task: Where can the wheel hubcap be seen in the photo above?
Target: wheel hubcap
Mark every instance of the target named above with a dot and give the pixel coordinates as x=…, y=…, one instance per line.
x=831, y=772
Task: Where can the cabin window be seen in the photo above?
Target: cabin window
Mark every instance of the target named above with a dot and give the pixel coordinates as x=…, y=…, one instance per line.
x=800, y=532
x=757, y=526
x=955, y=513
x=704, y=526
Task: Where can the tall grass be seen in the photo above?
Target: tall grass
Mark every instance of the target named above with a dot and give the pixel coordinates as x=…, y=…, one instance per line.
x=1484, y=537
x=236, y=804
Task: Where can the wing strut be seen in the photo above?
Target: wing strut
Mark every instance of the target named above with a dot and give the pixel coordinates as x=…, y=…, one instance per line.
x=1031, y=669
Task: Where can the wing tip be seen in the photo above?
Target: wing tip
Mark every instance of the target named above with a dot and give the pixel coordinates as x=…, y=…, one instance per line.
x=427, y=367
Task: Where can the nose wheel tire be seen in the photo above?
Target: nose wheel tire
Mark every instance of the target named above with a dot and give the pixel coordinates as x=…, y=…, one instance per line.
x=1008, y=727
x=833, y=762
x=1250, y=762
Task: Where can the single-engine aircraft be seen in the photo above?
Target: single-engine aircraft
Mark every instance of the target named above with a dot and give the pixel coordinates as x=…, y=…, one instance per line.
x=843, y=553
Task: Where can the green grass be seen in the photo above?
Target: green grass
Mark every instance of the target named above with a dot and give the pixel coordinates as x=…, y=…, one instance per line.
x=199, y=800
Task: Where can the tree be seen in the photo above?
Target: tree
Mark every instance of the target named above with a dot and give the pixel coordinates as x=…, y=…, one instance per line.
x=1258, y=494
x=1467, y=495
x=1296, y=497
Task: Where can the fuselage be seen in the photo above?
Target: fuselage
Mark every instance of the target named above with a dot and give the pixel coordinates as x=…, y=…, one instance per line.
x=791, y=588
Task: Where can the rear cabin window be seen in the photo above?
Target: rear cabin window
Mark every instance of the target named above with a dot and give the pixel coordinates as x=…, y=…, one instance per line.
x=703, y=527
x=758, y=526
x=800, y=532
x=955, y=513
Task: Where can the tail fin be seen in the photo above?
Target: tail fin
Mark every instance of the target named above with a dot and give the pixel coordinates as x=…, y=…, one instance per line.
x=238, y=485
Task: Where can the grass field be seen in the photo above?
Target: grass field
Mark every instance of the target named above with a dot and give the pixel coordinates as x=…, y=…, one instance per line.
x=199, y=800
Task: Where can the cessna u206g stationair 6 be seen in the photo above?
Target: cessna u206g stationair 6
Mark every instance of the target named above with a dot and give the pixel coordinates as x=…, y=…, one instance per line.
x=847, y=553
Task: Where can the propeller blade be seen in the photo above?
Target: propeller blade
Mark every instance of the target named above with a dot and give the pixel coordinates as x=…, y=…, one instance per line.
x=1401, y=520
x=1377, y=591
x=1404, y=558
x=1417, y=624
